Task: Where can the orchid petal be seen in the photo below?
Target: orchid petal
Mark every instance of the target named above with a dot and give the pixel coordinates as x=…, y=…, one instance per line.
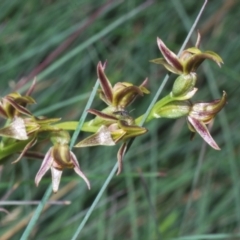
x=169, y=56
x=56, y=177
x=197, y=44
x=205, y=111
x=195, y=60
x=143, y=88
x=16, y=106
x=202, y=130
x=131, y=130
x=102, y=115
x=29, y=145
x=105, y=83
x=2, y=111
x=144, y=83
x=118, y=135
x=169, y=67
x=102, y=137
x=30, y=90
x=126, y=96
x=120, y=156
x=78, y=170
x=16, y=130
x=46, y=164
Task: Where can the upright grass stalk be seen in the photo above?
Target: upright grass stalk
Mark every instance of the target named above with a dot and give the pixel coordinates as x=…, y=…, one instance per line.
x=37, y=213
x=193, y=187
x=110, y=176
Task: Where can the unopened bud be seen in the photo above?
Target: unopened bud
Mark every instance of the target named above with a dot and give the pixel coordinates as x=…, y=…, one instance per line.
x=174, y=109
x=184, y=84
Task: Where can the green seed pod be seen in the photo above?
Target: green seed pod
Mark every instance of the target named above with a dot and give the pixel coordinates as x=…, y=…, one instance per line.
x=184, y=84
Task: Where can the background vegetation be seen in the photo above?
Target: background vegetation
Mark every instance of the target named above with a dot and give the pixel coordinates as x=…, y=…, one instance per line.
x=171, y=187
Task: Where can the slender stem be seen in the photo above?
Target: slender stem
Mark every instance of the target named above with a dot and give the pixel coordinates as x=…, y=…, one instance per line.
x=84, y=115
x=163, y=101
x=37, y=213
x=96, y=200
x=193, y=187
x=73, y=125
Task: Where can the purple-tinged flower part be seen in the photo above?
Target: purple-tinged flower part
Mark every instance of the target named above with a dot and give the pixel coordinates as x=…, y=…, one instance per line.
x=56, y=177
x=189, y=60
x=121, y=94
x=206, y=111
x=120, y=155
x=57, y=158
x=131, y=130
x=202, y=114
x=14, y=104
x=125, y=93
x=105, y=84
x=101, y=138
x=196, y=59
x=16, y=130
x=30, y=144
x=2, y=111
x=202, y=130
x=119, y=123
x=46, y=164
x=31, y=88
x=101, y=114
x=171, y=58
x=24, y=128
x=121, y=130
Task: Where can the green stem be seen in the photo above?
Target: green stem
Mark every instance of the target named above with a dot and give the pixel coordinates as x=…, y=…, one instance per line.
x=157, y=105
x=14, y=147
x=72, y=126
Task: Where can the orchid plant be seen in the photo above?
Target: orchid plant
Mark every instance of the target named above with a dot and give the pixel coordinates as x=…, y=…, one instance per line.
x=113, y=124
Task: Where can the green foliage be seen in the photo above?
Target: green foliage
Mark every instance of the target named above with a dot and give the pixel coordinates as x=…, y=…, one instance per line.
x=169, y=187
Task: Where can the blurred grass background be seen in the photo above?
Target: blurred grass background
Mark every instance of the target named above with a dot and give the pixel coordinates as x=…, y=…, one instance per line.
x=170, y=187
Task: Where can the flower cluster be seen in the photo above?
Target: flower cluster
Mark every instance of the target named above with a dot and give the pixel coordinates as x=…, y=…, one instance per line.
x=113, y=124
x=23, y=130
x=178, y=103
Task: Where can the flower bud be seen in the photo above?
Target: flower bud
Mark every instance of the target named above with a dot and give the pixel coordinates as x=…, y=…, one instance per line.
x=174, y=109
x=184, y=84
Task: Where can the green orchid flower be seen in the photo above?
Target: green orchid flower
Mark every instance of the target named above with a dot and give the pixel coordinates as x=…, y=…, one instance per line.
x=58, y=158
x=14, y=104
x=119, y=126
x=188, y=61
x=203, y=113
x=198, y=115
x=121, y=94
